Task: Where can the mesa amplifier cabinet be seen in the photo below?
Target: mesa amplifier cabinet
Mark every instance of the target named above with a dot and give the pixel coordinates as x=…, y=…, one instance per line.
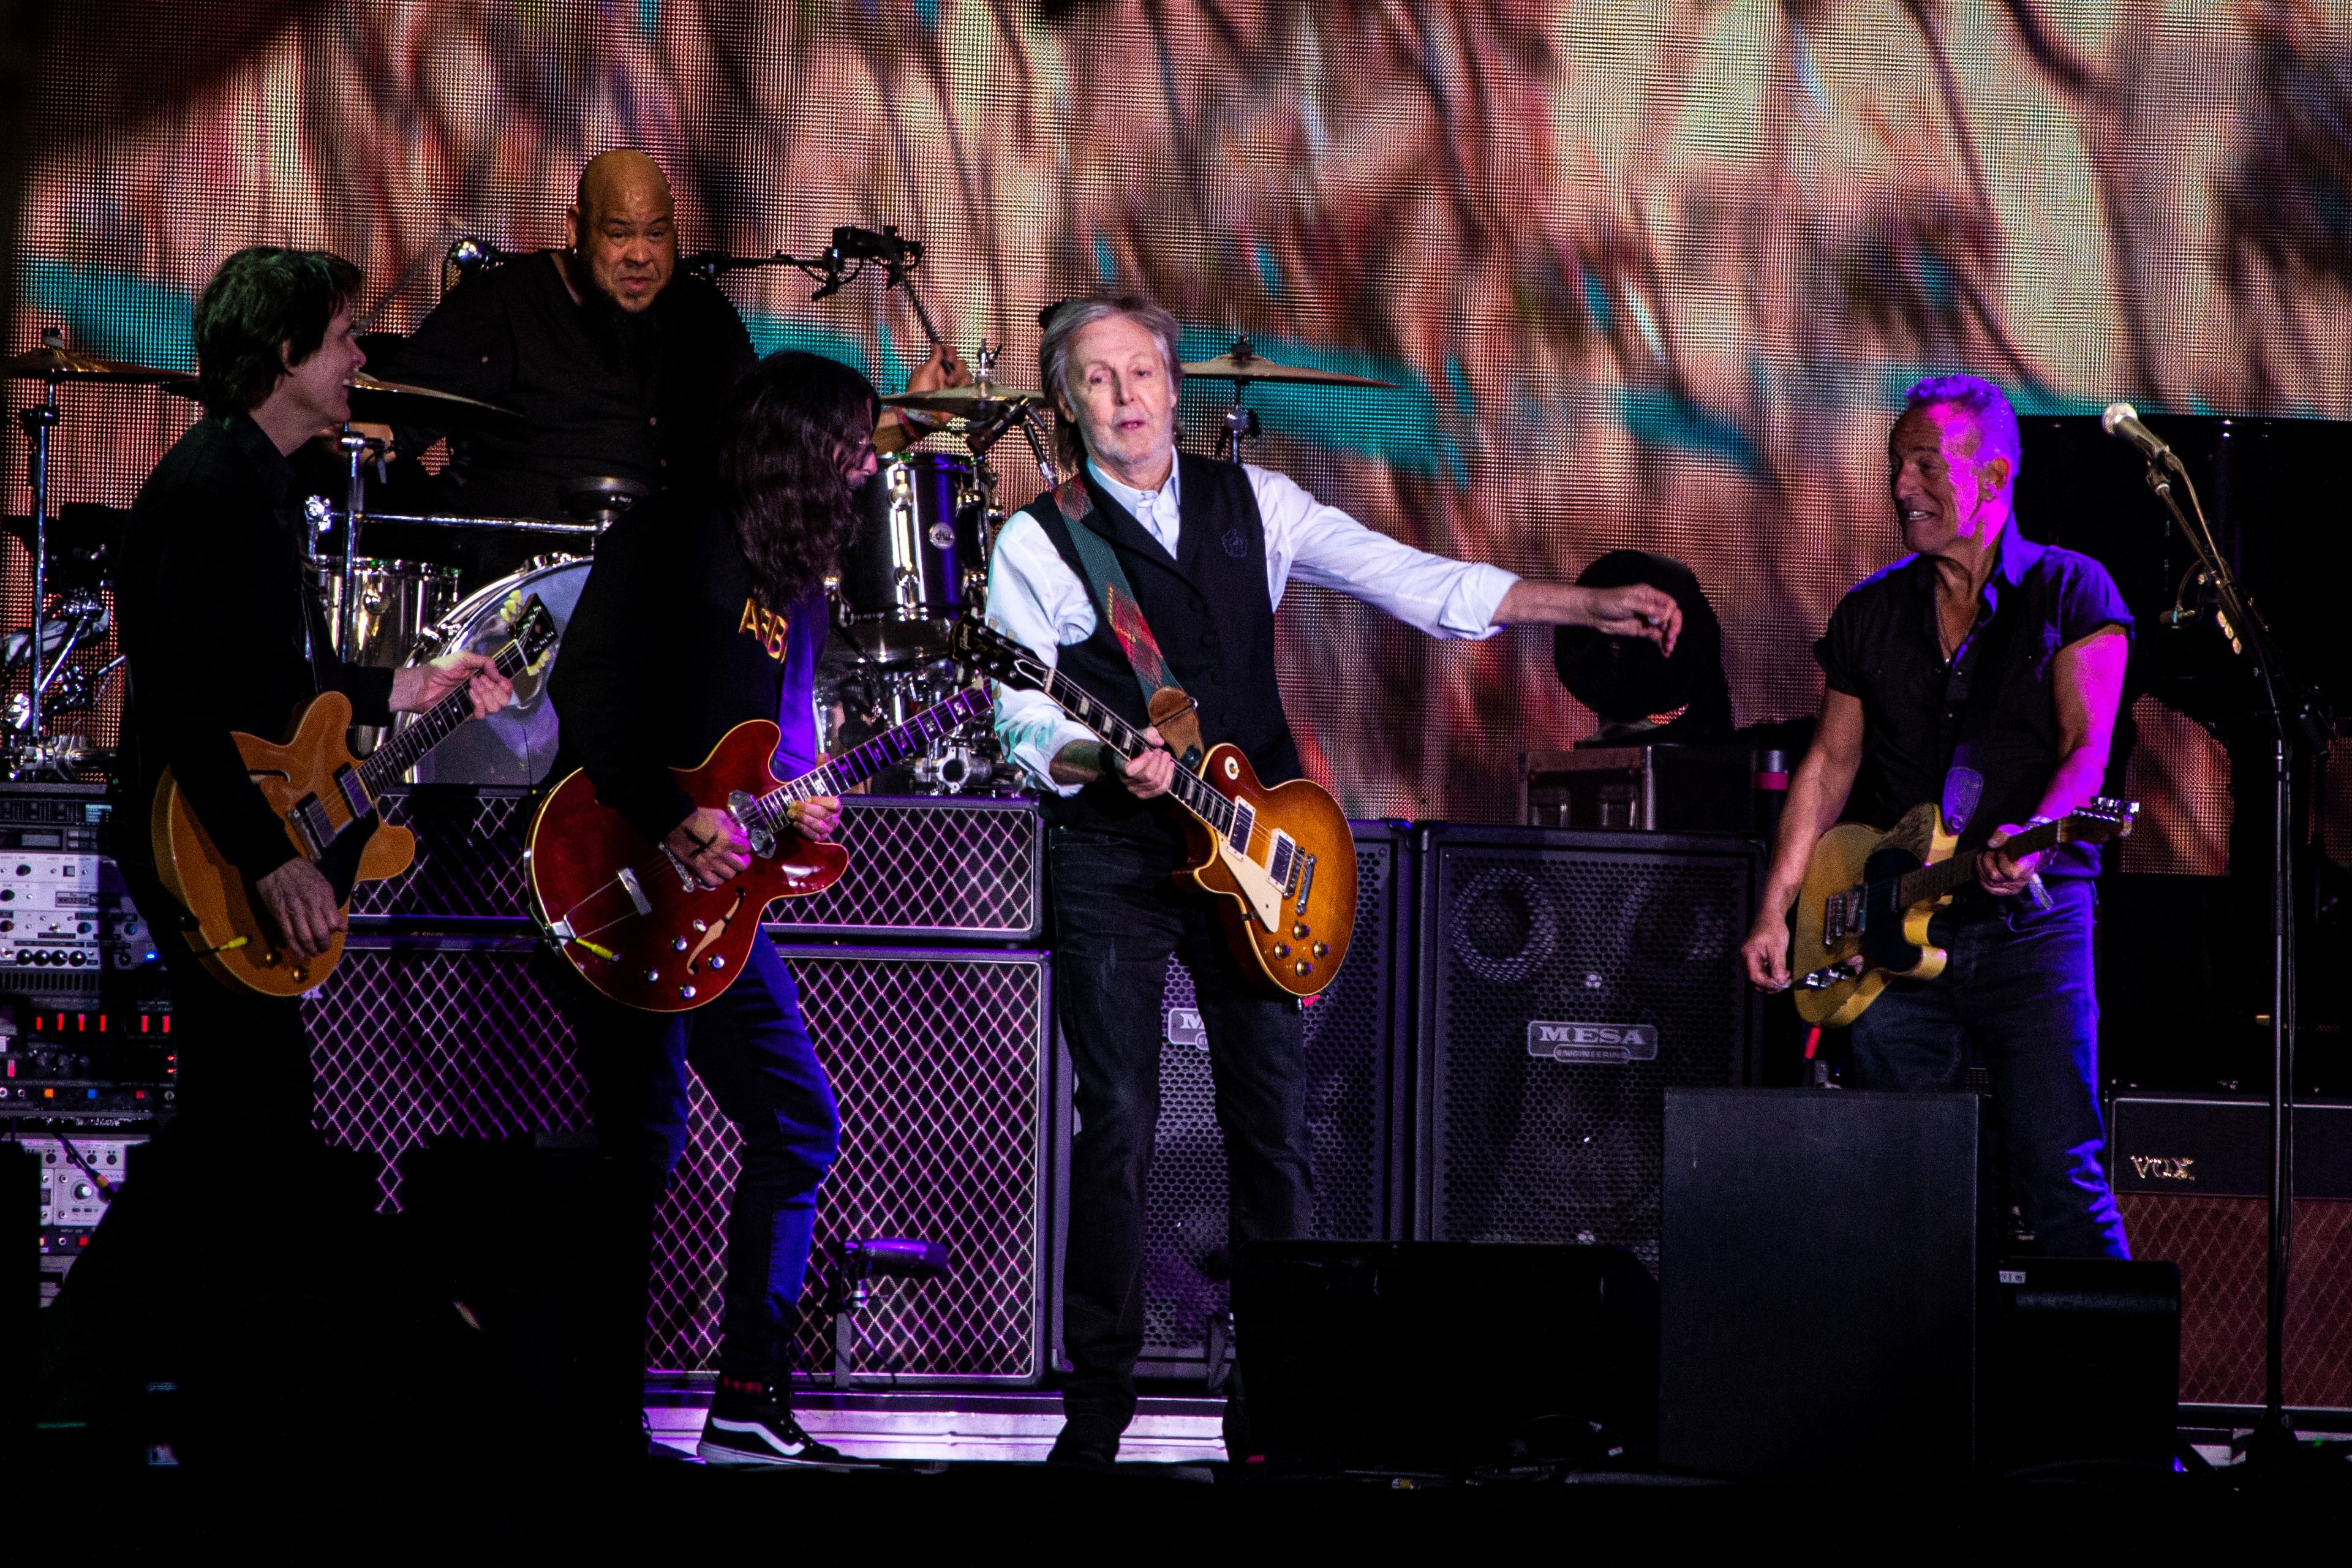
x=922, y=869
x=2193, y=1178
x=1566, y=980
x=938, y=1058
x=1354, y=1119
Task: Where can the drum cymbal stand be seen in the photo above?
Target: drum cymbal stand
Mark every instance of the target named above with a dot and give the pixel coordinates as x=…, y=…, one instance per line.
x=360, y=450
x=29, y=754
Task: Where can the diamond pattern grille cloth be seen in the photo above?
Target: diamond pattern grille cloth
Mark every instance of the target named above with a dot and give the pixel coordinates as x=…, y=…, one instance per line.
x=1184, y=1214
x=2220, y=1246
x=916, y=867
x=936, y=1062
x=1529, y=1148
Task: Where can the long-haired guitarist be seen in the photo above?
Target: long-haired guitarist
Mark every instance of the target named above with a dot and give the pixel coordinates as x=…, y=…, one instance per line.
x=1981, y=672
x=703, y=611
x=225, y=635
x=1207, y=548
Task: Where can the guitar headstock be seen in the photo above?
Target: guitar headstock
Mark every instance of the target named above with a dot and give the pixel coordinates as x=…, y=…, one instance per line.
x=2098, y=821
x=534, y=631
x=980, y=648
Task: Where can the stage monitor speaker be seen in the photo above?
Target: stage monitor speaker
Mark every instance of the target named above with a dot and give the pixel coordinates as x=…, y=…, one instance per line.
x=2193, y=1177
x=1354, y=1119
x=938, y=1058
x=1435, y=1357
x=1823, y=1281
x=2083, y=1366
x=1566, y=980
x=922, y=869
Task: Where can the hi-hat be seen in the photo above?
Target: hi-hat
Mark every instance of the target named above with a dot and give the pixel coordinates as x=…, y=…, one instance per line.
x=55, y=362
x=1243, y=362
x=973, y=401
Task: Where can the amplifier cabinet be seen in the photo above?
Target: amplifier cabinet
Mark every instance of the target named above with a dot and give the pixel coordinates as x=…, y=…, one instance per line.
x=2193, y=1177
x=922, y=869
x=1355, y=1117
x=938, y=1058
x=1566, y=981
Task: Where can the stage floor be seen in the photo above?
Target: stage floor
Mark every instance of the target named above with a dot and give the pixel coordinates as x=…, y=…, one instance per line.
x=959, y=1424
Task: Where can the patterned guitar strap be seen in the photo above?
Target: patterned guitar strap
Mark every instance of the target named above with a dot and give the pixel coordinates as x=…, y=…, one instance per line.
x=1172, y=708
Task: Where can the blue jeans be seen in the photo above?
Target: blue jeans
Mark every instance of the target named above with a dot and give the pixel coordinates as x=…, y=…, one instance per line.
x=2019, y=988
x=752, y=1050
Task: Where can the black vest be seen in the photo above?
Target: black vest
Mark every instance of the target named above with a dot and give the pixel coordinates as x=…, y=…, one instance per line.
x=1209, y=609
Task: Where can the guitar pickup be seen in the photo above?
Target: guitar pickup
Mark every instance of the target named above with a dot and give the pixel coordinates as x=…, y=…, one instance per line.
x=1840, y=916
x=1283, y=864
x=355, y=796
x=308, y=818
x=1830, y=975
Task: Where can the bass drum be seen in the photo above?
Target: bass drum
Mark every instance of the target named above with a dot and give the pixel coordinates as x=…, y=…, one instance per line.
x=515, y=746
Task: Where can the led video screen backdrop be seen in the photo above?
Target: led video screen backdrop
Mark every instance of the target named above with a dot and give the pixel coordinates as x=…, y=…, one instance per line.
x=1649, y=275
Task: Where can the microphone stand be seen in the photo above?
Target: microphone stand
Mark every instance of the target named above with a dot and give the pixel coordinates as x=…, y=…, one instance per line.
x=2295, y=716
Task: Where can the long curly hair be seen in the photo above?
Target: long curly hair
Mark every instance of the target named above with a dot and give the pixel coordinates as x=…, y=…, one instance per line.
x=791, y=425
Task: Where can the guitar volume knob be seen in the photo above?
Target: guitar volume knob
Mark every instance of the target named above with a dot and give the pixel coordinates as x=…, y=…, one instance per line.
x=677, y=944
x=1282, y=949
x=1304, y=968
x=652, y=975
x=1322, y=949
x=1298, y=932
x=687, y=992
x=717, y=961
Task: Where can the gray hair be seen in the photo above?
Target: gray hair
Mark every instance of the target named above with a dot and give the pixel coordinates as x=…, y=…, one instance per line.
x=1062, y=329
x=1986, y=404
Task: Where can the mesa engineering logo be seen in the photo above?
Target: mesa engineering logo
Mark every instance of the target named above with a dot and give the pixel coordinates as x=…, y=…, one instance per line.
x=1609, y=1045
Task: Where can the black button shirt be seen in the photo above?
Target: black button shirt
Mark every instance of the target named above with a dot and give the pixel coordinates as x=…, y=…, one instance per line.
x=599, y=391
x=222, y=634
x=1989, y=710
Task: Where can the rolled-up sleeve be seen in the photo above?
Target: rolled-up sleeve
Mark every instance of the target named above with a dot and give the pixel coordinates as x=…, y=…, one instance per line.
x=1033, y=599
x=1317, y=543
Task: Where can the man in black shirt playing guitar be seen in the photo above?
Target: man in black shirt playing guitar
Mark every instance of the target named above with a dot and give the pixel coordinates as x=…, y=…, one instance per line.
x=1983, y=673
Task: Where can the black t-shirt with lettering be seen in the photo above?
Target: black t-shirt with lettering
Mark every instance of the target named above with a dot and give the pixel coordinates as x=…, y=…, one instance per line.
x=1987, y=712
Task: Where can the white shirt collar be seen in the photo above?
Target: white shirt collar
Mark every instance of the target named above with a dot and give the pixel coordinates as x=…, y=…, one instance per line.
x=1157, y=510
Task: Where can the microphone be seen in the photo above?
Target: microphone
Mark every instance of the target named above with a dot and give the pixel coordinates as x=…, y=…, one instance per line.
x=471, y=252
x=851, y=242
x=2122, y=421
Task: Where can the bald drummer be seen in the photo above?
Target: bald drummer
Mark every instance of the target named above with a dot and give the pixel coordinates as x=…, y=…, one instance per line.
x=616, y=363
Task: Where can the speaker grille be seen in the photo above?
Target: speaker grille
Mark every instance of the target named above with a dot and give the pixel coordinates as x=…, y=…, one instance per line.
x=919, y=867
x=1526, y=1148
x=1349, y=1035
x=2220, y=1247
x=938, y=1062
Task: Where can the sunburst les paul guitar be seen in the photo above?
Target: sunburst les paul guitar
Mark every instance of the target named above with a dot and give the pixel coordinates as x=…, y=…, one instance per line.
x=639, y=926
x=1282, y=859
x=1862, y=917
x=327, y=800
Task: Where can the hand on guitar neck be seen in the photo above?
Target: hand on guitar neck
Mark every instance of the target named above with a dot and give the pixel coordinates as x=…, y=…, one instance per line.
x=417, y=688
x=1146, y=776
x=711, y=843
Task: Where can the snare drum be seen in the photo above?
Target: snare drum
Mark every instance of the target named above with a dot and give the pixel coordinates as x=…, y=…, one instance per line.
x=902, y=580
x=516, y=745
x=399, y=601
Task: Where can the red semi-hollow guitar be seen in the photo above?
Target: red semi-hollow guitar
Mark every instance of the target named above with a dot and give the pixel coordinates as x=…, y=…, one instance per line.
x=636, y=923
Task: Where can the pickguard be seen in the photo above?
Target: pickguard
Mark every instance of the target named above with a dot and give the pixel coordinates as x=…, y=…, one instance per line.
x=1883, y=941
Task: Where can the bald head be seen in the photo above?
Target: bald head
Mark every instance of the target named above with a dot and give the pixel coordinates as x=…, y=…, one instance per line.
x=623, y=227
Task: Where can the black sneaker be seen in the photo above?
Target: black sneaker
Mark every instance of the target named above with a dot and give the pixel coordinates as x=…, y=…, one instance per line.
x=1085, y=1443
x=746, y=1429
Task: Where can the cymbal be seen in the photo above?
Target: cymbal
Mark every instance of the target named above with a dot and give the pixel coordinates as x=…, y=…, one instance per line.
x=377, y=400
x=1241, y=362
x=55, y=362
x=973, y=401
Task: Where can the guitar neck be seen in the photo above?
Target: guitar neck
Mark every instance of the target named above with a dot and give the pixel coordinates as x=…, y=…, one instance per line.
x=1190, y=789
x=889, y=749
x=402, y=750
x=1948, y=876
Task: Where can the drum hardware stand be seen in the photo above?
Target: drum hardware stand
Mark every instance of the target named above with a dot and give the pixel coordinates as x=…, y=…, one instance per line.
x=361, y=450
x=2297, y=716
x=1240, y=424
x=31, y=756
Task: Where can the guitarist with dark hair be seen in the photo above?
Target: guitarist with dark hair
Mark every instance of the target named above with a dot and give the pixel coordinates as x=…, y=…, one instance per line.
x=1979, y=677
x=224, y=636
x=706, y=609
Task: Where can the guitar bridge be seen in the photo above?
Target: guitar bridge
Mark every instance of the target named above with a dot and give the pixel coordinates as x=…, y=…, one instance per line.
x=1306, y=879
x=1840, y=916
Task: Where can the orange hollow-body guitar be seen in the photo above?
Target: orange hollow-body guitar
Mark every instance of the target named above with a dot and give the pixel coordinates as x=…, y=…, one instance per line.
x=1282, y=859
x=326, y=799
x=629, y=916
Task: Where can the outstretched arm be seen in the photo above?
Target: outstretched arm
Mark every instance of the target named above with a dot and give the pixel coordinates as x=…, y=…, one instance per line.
x=1636, y=610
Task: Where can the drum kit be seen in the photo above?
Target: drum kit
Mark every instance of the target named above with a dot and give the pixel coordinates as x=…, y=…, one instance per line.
x=916, y=566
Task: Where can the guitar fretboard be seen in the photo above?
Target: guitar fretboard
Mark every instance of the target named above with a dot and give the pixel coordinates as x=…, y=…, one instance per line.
x=889, y=749
x=402, y=753
x=1191, y=790
x=1949, y=876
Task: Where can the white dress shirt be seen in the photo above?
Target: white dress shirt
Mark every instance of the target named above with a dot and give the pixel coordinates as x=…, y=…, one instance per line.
x=1037, y=600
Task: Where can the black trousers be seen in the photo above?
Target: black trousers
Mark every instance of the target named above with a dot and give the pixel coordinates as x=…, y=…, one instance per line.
x=243, y=1058
x=1118, y=917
